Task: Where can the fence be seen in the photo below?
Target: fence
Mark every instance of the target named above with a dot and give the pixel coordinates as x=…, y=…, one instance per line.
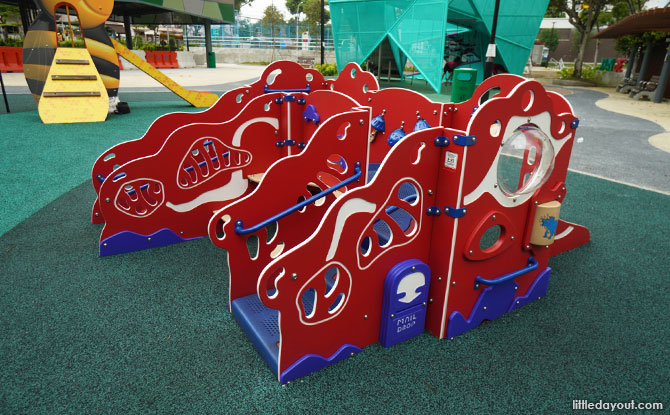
x=253, y=33
x=262, y=43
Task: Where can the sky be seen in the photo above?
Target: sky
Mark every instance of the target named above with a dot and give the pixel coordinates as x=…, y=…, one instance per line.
x=256, y=8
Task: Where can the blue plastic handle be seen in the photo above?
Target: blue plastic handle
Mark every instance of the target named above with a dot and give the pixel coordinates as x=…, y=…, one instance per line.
x=532, y=264
x=239, y=225
x=268, y=90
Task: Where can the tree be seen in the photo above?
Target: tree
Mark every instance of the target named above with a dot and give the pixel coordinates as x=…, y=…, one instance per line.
x=272, y=17
x=9, y=15
x=312, y=10
x=239, y=3
x=295, y=6
x=550, y=38
x=583, y=15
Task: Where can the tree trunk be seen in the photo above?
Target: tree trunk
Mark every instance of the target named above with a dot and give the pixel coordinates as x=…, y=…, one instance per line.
x=580, y=55
x=582, y=44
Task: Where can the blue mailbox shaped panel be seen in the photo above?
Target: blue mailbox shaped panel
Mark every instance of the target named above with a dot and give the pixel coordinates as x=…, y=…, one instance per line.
x=404, y=305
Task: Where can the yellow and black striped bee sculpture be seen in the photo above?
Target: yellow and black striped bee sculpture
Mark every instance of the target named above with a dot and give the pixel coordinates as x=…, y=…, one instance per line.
x=41, y=43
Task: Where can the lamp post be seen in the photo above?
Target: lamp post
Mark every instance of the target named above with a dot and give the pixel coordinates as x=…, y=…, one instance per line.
x=323, y=5
x=491, y=50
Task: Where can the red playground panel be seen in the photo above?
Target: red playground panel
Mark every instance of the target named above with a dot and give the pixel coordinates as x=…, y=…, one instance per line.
x=162, y=188
x=353, y=215
x=401, y=215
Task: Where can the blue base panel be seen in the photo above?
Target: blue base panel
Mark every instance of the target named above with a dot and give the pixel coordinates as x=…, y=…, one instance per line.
x=495, y=301
x=128, y=241
x=310, y=363
x=537, y=290
x=261, y=325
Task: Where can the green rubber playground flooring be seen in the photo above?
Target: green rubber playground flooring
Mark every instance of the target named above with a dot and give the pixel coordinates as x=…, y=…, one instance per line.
x=42, y=161
x=149, y=331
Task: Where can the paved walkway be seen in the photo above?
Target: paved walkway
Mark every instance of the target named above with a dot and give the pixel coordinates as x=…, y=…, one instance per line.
x=617, y=146
x=202, y=79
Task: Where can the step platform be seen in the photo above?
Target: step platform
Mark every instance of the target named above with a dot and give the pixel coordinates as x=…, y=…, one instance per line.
x=261, y=324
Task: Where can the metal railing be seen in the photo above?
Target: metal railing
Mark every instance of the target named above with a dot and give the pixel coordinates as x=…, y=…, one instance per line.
x=262, y=42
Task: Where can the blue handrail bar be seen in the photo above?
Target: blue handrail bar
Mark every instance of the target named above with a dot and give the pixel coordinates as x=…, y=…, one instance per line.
x=268, y=90
x=239, y=225
x=532, y=265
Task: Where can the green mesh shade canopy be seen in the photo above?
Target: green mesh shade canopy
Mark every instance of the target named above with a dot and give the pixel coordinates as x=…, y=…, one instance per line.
x=421, y=30
x=179, y=11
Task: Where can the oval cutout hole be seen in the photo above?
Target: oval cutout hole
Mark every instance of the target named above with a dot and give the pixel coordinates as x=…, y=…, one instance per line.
x=366, y=245
x=272, y=76
x=309, y=302
x=495, y=128
x=528, y=99
x=331, y=275
x=490, y=237
x=336, y=304
x=408, y=192
x=490, y=93
x=252, y=246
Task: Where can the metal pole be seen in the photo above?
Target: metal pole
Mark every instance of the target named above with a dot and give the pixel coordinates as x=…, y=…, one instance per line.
x=665, y=74
x=645, y=63
x=208, y=44
x=629, y=66
x=25, y=18
x=323, y=27
x=4, y=93
x=491, y=51
x=129, y=33
x=186, y=36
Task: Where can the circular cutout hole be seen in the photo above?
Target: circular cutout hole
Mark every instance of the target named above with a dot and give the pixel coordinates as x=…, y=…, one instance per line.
x=239, y=97
x=353, y=72
x=309, y=77
x=365, y=88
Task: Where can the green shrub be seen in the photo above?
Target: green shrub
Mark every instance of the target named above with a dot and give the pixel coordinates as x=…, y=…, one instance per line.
x=154, y=46
x=327, y=69
x=78, y=43
x=12, y=41
x=588, y=72
x=138, y=42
